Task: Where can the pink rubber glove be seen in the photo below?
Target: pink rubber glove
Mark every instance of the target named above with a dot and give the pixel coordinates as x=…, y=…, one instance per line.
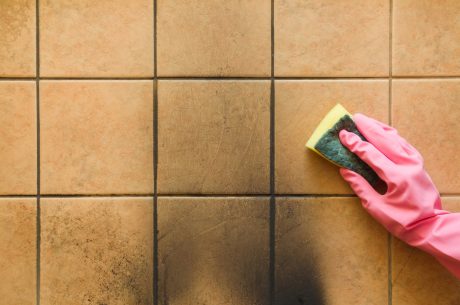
x=411, y=207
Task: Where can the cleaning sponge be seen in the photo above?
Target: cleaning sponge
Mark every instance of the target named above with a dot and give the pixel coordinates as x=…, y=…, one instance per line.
x=325, y=141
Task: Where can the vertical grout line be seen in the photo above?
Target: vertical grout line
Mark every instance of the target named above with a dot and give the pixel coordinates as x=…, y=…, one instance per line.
x=390, y=93
x=155, y=158
x=37, y=100
x=272, y=219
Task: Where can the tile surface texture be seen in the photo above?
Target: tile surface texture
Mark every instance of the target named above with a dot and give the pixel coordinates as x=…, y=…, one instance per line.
x=96, y=38
x=17, y=39
x=213, y=137
x=214, y=38
x=300, y=106
x=18, y=138
x=329, y=251
x=426, y=37
x=426, y=113
x=96, y=137
x=331, y=38
x=213, y=250
x=97, y=251
x=17, y=244
x=418, y=278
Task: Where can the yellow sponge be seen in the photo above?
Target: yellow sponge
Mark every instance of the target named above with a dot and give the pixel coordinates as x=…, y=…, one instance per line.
x=325, y=142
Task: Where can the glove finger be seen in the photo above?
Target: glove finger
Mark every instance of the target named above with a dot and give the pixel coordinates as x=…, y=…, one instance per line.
x=368, y=153
x=385, y=138
x=359, y=185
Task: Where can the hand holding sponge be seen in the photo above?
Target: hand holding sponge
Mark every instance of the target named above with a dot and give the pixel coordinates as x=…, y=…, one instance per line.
x=411, y=206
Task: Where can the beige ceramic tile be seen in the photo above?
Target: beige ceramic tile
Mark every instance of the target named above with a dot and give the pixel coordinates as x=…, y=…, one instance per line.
x=426, y=37
x=426, y=113
x=213, y=137
x=329, y=251
x=18, y=251
x=18, y=138
x=213, y=250
x=214, y=38
x=418, y=279
x=300, y=106
x=17, y=39
x=96, y=137
x=97, y=251
x=331, y=38
x=96, y=38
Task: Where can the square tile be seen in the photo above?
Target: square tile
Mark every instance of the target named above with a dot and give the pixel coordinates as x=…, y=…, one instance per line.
x=300, y=106
x=214, y=38
x=18, y=134
x=213, y=137
x=96, y=137
x=18, y=246
x=426, y=37
x=213, y=250
x=418, y=279
x=332, y=38
x=426, y=113
x=81, y=38
x=97, y=251
x=17, y=41
x=329, y=251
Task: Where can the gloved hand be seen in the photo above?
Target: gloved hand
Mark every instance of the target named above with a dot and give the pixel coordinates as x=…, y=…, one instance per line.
x=411, y=206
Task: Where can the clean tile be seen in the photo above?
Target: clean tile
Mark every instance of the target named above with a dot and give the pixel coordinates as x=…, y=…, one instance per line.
x=332, y=38
x=85, y=38
x=18, y=134
x=96, y=137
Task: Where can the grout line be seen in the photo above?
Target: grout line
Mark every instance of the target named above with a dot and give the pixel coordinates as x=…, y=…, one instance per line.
x=195, y=195
x=235, y=78
x=390, y=118
x=155, y=158
x=95, y=78
x=272, y=216
x=37, y=99
x=92, y=195
x=20, y=79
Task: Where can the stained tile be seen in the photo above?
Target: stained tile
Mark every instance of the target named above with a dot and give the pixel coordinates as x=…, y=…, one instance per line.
x=213, y=250
x=331, y=38
x=17, y=41
x=97, y=251
x=213, y=137
x=426, y=37
x=300, y=106
x=96, y=137
x=96, y=38
x=426, y=113
x=214, y=38
x=418, y=279
x=18, y=134
x=17, y=259
x=329, y=251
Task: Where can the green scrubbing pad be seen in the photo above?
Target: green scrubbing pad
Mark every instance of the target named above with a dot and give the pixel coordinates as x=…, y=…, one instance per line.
x=325, y=141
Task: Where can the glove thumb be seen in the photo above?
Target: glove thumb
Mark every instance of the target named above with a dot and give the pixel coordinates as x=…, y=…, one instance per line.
x=360, y=186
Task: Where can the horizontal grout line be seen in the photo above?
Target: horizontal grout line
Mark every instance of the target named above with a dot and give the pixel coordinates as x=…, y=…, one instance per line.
x=179, y=195
x=75, y=195
x=95, y=78
x=454, y=195
x=268, y=78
